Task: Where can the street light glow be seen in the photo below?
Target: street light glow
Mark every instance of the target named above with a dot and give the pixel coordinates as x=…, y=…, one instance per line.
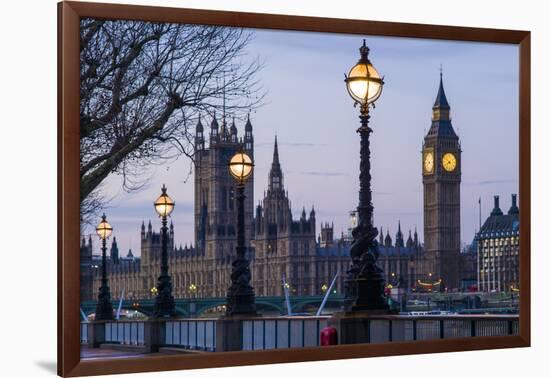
x=240, y=166
x=164, y=205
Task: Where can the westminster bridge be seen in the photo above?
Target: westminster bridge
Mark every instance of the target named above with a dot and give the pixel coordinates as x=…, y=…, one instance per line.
x=186, y=307
x=457, y=302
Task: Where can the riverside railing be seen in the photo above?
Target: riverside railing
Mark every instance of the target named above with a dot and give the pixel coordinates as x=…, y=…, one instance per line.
x=280, y=333
x=299, y=332
x=304, y=331
x=197, y=334
x=125, y=332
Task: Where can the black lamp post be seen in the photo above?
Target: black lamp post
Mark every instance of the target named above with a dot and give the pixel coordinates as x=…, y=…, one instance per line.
x=104, y=308
x=164, y=301
x=240, y=295
x=364, y=285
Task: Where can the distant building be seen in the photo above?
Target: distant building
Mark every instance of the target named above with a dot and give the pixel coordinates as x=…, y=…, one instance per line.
x=498, y=249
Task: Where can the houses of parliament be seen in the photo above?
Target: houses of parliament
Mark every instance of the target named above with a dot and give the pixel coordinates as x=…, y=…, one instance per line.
x=280, y=244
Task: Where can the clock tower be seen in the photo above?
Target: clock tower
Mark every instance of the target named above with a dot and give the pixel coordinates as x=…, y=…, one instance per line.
x=441, y=172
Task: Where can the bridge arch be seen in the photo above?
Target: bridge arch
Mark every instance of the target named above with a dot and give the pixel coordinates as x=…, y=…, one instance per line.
x=331, y=302
x=270, y=304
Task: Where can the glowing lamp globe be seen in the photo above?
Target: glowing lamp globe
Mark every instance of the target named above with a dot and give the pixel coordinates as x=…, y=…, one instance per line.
x=240, y=166
x=104, y=229
x=363, y=82
x=164, y=204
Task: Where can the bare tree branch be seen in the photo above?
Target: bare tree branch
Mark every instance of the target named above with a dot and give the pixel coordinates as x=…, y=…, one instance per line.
x=142, y=88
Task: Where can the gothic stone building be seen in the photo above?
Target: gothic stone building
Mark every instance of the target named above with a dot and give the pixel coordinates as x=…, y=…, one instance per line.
x=280, y=245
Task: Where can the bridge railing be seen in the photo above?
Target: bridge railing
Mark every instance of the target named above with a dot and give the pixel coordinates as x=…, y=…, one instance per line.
x=125, y=332
x=280, y=333
x=298, y=332
x=197, y=334
x=404, y=328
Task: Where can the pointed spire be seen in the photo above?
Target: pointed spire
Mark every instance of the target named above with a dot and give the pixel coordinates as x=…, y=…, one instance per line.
x=233, y=127
x=381, y=242
x=312, y=212
x=441, y=98
x=410, y=242
x=248, y=126
x=114, y=251
x=388, y=241
x=214, y=124
x=200, y=127
x=441, y=114
x=275, y=173
x=275, y=153
x=399, y=236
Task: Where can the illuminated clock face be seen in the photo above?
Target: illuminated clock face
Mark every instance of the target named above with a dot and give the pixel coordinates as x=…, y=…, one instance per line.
x=449, y=162
x=429, y=162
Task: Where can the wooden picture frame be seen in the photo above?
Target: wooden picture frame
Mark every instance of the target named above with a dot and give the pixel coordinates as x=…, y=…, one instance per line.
x=69, y=14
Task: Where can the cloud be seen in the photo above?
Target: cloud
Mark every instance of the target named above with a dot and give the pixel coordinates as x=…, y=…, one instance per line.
x=491, y=182
x=290, y=144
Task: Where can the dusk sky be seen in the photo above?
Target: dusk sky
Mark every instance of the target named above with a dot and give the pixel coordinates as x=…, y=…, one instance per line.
x=309, y=109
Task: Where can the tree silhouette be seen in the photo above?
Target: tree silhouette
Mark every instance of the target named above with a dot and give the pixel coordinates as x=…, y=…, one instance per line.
x=142, y=87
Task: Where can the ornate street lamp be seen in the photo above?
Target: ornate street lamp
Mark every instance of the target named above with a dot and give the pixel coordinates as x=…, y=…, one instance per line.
x=164, y=301
x=104, y=308
x=364, y=285
x=240, y=295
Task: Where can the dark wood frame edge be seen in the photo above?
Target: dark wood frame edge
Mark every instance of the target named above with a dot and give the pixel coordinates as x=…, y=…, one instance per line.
x=69, y=13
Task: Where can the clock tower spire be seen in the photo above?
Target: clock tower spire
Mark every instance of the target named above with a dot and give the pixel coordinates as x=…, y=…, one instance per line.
x=441, y=176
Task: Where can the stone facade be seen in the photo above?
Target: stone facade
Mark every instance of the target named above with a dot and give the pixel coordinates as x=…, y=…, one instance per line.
x=497, y=244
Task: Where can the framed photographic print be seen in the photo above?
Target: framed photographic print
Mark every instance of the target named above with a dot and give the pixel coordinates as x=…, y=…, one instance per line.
x=239, y=188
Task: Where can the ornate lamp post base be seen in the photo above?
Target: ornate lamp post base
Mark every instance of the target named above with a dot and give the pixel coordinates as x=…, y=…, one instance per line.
x=104, y=308
x=367, y=294
x=164, y=306
x=240, y=302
